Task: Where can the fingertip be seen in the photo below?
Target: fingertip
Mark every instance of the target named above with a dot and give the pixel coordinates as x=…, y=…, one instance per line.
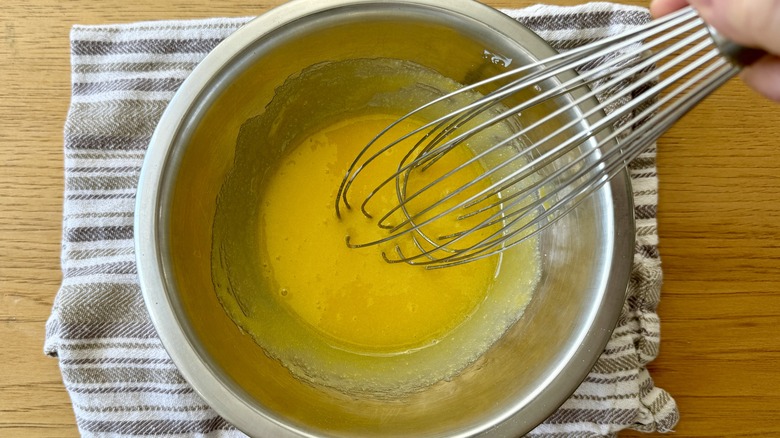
x=703, y=7
x=764, y=77
x=751, y=23
x=656, y=9
x=659, y=8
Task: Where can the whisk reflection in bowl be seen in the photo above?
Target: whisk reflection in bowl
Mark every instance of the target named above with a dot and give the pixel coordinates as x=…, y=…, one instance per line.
x=523, y=191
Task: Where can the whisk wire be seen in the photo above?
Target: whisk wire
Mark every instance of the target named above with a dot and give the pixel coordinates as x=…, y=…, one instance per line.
x=545, y=158
x=722, y=72
x=608, y=158
x=577, y=140
x=569, y=60
x=642, y=82
x=574, y=141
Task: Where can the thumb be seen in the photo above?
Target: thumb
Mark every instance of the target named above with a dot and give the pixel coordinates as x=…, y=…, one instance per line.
x=753, y=23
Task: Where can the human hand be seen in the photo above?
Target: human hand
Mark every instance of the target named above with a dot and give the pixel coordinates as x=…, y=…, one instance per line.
x=751, y=23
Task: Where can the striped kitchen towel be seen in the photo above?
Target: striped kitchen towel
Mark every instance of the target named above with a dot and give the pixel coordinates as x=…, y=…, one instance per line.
x=119, y=377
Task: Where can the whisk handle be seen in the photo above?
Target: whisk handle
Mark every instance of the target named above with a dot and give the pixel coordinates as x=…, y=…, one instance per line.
x=737, y=54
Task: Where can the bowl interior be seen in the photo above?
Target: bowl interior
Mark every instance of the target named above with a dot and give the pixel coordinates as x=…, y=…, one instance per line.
x=585, y=257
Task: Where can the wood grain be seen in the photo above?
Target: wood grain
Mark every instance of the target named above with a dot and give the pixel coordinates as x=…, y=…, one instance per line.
x=719, y=222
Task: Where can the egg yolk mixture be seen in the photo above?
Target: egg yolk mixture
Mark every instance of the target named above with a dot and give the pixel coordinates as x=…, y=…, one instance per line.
x=351, y=296
x=341, y=318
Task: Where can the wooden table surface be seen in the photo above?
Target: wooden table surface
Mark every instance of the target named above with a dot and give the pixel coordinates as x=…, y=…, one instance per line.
x=719, y=225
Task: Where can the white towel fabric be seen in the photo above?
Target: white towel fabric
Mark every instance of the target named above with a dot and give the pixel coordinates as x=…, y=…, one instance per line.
x=120, y=379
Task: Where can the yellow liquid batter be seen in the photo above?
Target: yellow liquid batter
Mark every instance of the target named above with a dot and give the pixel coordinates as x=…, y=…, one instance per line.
x=352, y=296
x=338, y=317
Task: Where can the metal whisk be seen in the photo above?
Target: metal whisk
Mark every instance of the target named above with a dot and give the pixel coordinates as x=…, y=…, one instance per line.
x=544, y=168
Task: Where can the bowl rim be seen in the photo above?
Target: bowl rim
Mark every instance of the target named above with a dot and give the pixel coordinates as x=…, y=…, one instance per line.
x=150, y=260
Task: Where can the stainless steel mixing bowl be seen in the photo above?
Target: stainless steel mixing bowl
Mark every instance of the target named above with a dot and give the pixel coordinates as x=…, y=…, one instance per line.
x=523, y=378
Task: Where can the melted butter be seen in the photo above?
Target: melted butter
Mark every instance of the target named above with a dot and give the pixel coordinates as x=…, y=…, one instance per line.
x=352, y=296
